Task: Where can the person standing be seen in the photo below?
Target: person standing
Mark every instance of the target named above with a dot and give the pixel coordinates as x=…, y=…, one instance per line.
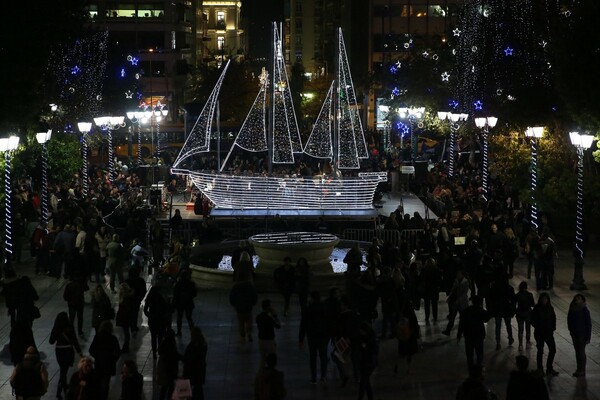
x=167, y=369
x=84, y=383
x=314, y=327
x=407, y=334
x=367, y=359
x=63, y=334
x=266, y=323
x=194, y=362
x=102, y=308
x=184, y=293
x=124, y=312
x=472, y=327
x=432, y=284
x=303, y=280
x=115, y=260
x=132, y=382
x=103, y=239
x=525, y=385
x=106, y=352
x=138, y=284
x=20, y=339
x=502, y=306
x=579, y=323
x=543, y=320
x=525, y=303
x=285, y=280
x=243, y=297
x=269, y=382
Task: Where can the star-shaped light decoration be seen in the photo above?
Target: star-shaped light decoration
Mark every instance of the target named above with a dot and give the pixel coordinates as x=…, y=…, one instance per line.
x=508, y=51
x=122, y=73
x=445, y=76
x=456, y=32
x=129, y=94
x=75, y=70
x=393, y=69
x=478, y=105
x=543, y=43
x=425, y=54
x=453, y=104
x=134, y=61
x=395, y=92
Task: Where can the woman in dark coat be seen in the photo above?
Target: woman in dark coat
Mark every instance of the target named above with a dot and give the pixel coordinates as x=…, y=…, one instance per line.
x=580, y=328
x=102, y=308
x=126, y=309
x=21, y=337
x=63, y=334
x=168, y=365
x=106, y=352
x=543, y=320
x=158, y=312
x=194, y=363
x=407, y=333
x=83, y=384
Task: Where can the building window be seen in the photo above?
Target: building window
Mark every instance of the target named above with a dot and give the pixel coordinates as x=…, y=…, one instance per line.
x=298, y=7
x=220, y=43
x=298, y=26
x=298, y=41
x=221, y=20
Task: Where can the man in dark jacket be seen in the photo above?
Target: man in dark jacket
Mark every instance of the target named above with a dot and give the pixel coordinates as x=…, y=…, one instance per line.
x=285, y=280
x=525, y=385
x=267, y=322
x=314, y=326
x=472, y=326
x=184, y=293
x=74, y=295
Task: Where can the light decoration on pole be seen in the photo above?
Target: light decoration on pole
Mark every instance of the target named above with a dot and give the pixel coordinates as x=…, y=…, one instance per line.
x=136, y=118
x=581, y=143
x=43, y=138
x=534, y=133
x=7, y=146
x=412, y=114
x=84, y=128
x=454, y=120
x=109, y=124
x=485, y=123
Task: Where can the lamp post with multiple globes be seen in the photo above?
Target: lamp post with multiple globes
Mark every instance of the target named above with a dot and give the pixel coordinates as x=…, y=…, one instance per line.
x=454, y=119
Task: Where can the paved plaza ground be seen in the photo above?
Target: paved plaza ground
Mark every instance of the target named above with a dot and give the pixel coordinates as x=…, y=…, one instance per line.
x=437, y=370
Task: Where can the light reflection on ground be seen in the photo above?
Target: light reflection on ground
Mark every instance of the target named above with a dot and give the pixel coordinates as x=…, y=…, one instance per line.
x=336, y=258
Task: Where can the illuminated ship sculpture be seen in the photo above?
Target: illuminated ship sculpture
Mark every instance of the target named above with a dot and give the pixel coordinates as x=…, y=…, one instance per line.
x=337, y=135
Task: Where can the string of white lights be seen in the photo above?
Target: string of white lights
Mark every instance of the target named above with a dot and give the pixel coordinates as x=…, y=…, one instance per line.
x=8, y=242
x=111, y=161
x=262, y=192
x=319, y=143
x=451, y=150
x=139, y=137
x=85, y=166
x=44, y=205
x=485, y=173
x=533, y=188
x=198, y=140
x=579, y=206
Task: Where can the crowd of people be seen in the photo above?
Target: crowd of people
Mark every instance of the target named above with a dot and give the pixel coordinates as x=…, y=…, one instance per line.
x=385, y=284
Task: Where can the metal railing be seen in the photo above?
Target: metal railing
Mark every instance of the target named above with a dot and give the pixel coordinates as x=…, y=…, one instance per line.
x=410, y=236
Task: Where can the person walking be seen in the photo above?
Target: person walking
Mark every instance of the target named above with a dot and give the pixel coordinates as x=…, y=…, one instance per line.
x=158, y=312
x=184, y=293
x=407, y=334
x=285, y=280
x=106, y=352
x=103, y=239
x=525, y=385
x=314, y=327
x=543, y=320
x=525, y=303
x=74, y=295
x=29, y=378
x=167, y=369
x=472, y=327
x=303, y=280
x=127, y=303
x=458, y=299
x=20, y=339
x=432, y=284
x=243, y=297
x=387, y=293
x=502, y=306
x=367, y=359
x=102, y=308
x=194, y=362
x=266, y=323
x=63, y=334
x=579, y=323
x=138, y=284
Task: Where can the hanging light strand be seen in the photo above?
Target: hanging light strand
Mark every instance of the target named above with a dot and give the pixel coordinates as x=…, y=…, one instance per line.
x=44, y=184
x=485, y=174
x=579, y=210
x=534, y=216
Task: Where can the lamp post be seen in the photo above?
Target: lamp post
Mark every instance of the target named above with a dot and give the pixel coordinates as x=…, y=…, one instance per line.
x=534, y=133
x=485, y=123
x=136, y=118
x=8, y=145
x=84, y=128
x=581, y=143
x=454, y=120
x=108, y=124
x=43, y=138
x=412, y=114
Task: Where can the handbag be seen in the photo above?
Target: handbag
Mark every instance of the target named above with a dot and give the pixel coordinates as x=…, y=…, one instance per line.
x=183, y=389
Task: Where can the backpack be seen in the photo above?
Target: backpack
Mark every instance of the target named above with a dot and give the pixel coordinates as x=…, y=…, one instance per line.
x=28, y=380
x=403, y=329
